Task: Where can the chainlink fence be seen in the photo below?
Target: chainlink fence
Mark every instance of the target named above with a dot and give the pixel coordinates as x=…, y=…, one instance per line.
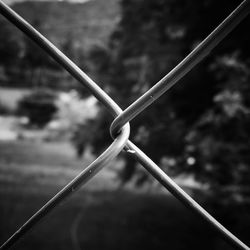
x=120, y=128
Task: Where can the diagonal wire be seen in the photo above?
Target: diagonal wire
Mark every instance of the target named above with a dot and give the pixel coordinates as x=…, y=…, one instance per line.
x=58, y=56
x=108, y=155
x=111, y=152
x=105, y=158
x=201, y=51
x=161, y=87
x=182, y=196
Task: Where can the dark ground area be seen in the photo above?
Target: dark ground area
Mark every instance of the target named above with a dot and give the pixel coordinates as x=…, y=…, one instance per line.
x=99, y=216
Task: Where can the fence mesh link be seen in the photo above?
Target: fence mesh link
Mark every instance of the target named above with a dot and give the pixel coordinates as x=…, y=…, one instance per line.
x=120, y=128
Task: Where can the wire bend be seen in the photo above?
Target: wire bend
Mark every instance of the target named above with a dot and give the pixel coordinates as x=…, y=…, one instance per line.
x=130, y=113
x=191, y=60
x=109, y=154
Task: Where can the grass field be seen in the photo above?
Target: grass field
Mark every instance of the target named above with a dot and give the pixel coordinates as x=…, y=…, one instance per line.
x=98, y=216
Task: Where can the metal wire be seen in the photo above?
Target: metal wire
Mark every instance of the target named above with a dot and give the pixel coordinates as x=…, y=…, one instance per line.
x=120, y=125
x=201, y=51
x=63, y=60
x=106, y=157
x=182, y=196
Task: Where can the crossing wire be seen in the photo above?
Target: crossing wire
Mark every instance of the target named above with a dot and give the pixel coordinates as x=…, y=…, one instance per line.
x=120, y=128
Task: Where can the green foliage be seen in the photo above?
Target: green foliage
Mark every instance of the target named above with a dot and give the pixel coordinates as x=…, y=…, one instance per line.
x=151, y=38
x=38, y=106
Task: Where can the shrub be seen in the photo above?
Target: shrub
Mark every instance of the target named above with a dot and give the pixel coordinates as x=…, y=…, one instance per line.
x=4, y=110
x=39, y=107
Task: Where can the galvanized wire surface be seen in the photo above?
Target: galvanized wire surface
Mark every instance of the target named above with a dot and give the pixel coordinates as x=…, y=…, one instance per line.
x=120, y=128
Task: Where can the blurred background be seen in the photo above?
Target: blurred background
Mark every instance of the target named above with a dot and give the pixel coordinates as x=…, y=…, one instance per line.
x=51, y=127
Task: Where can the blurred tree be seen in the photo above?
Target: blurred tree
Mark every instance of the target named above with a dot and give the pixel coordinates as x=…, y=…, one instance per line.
x=99, y=61
x=10, y=49
x=73, y=49
x=35, y=61
x=218, y=144
x=151, y=38
x=39, y=106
